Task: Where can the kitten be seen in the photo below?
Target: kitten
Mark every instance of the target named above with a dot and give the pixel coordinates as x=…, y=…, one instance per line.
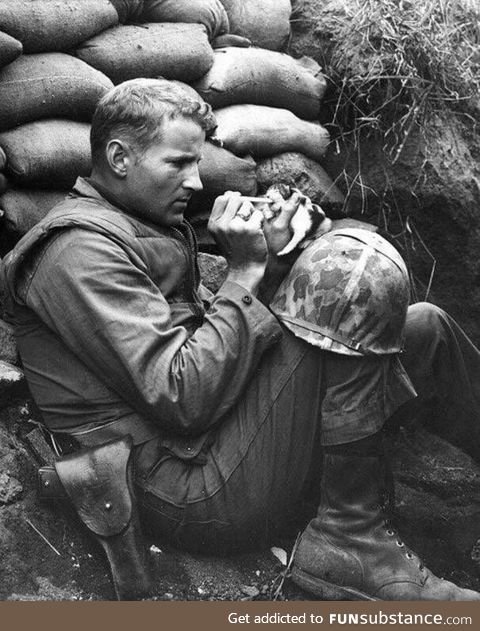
x=307, y=223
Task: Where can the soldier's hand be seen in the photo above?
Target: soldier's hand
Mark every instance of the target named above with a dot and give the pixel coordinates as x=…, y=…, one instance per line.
x=237, y=228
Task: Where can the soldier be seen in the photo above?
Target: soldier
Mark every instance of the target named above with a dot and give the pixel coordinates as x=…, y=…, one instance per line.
x=230, y=408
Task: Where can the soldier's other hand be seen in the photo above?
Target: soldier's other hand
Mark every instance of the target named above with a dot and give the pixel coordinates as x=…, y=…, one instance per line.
x=237, y=228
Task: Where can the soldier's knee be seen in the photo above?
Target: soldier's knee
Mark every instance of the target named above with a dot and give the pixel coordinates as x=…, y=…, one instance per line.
x=426, y=314
x=425, y=323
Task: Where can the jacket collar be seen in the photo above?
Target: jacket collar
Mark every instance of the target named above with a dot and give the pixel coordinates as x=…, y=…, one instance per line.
x=85, y=187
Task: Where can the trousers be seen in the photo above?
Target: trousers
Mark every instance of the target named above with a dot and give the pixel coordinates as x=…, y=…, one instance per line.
x=256, y=465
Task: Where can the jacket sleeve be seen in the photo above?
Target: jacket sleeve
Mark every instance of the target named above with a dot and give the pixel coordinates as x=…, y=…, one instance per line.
x=107, y=310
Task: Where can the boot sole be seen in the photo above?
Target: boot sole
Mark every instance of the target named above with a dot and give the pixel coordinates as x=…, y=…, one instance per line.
x=324, y=590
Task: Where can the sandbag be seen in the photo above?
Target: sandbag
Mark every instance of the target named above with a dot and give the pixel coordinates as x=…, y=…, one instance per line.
x=3, y=159
x=128, y=10
x=262, y=131
x=222, y=171
x=265, y=22
x=49, y=25
x=49, y=85
x=263, y=77
x=10, y=49
x=173, y=51
x=298, y=171
x=210, y=13
x=24, y=208
x=48, y=154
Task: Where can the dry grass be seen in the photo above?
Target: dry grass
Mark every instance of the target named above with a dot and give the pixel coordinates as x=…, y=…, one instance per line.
x=394, y=65
x=394, y=61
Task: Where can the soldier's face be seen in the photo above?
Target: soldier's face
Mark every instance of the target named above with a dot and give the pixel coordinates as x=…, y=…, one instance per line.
x=161, y=181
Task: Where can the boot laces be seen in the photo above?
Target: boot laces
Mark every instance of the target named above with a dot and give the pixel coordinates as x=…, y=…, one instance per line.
x=411, y=556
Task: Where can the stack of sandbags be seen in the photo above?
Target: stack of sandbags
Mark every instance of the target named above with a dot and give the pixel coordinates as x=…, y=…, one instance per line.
x=267, y=103
x=10, y=49
x=46, y=104
x=47, y=97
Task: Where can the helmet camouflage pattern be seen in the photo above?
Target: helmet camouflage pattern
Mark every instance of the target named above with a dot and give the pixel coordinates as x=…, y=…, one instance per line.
x=348, y=292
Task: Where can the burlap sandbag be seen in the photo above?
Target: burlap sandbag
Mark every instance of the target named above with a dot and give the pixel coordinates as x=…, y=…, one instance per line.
x=263, y=77
x=49, y=85
x=24, y=208
x=265, y=22
x=296, y=170
x=222, y=171
x=129, y=10
x=210, y=13
x=262, y=131
x=47, y=154
x=174, y=51
x=10, y=49
x=49, y=25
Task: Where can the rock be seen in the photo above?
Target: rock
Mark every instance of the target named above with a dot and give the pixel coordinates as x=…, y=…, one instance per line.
x=10, y=488
x=213, y=270
x=250, y=590
x=12, y=383
x=8, y=344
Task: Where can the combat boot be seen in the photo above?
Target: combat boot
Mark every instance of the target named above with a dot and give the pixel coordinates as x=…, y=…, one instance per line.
x=349, y=551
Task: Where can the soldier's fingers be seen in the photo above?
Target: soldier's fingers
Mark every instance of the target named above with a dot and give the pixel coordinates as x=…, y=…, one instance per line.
x=220, y=206
x=234, y=204
x=256, y=219
x=244, y=211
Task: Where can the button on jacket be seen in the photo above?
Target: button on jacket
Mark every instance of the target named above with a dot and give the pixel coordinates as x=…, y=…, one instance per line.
x=115, y=330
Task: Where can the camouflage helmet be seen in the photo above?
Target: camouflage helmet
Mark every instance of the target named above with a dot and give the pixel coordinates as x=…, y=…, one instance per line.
x=348, y=292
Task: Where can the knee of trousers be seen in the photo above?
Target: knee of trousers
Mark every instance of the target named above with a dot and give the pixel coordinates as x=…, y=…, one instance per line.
x=425, y=324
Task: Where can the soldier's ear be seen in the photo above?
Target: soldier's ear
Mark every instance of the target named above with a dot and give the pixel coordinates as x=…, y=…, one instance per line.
x=119, y=157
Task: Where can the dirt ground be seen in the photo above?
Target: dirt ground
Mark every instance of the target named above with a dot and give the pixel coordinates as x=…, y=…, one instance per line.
x=48, y=556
